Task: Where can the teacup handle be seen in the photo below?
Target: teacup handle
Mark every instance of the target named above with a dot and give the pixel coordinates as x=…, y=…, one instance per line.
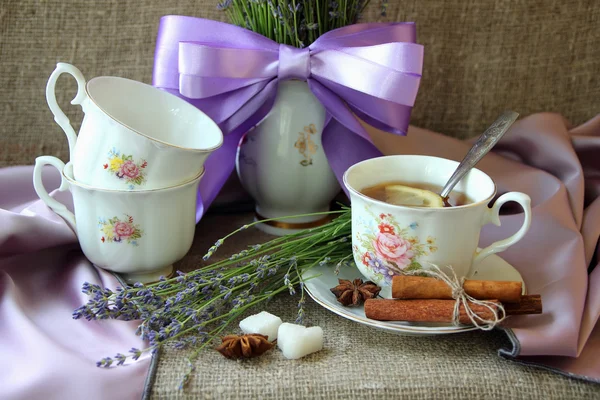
x=493, y=216
x=56, y=206
x=59, y=116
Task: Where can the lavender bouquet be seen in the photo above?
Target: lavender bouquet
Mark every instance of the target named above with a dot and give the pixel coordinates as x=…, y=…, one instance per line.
x=192, y=310
x=293, y=22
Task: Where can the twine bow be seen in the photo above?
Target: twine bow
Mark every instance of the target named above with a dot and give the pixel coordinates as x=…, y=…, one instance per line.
x=462, y=298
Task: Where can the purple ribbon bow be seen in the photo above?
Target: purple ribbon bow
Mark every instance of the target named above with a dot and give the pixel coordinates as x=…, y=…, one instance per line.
x=370, y=71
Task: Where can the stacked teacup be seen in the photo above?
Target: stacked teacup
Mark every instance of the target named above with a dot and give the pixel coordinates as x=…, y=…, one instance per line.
x=133, y=173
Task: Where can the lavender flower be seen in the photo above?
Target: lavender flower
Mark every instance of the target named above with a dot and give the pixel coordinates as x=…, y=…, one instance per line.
x=224, y=5
x=295, y=9
x=105, y=362
x=384, y=6
x=136, y=353
x=88, y=288
x=325, y=261
x=213, y=249
x=120, y=358
x=300, y=316
x=337, y=268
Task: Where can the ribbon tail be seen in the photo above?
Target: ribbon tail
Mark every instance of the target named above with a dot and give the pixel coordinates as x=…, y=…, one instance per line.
x=344, y=140
x=344, y=148
x=219, y=167
x=336, y=108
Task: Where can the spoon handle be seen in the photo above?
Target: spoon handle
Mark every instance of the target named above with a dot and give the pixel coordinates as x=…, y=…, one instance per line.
x=486, y=141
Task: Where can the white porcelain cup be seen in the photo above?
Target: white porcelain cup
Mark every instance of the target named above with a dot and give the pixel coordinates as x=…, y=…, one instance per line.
x=133, y=135
x=389, y=239
x=137, y=234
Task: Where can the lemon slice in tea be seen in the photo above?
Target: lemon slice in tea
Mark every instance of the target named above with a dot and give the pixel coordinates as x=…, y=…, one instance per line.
x=401, y=195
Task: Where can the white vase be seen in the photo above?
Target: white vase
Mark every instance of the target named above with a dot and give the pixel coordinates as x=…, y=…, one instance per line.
x=282, y=164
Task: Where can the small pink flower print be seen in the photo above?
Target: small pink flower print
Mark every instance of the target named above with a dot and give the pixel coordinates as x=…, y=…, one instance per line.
x=382, y=216
x=130, y=170
x=116, y=230
x=386, y=228
x=123, y=229
x=123, y=167
x=393, y=248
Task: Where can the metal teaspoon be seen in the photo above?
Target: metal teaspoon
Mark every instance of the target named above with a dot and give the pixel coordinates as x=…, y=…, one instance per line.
x=484, y=144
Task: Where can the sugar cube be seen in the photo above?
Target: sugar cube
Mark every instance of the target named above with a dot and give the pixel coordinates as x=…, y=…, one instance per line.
x=263, y=323
x=296, y=341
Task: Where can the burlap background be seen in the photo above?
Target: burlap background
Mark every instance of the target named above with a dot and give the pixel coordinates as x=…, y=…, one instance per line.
x=357, y=361
x=480, y=57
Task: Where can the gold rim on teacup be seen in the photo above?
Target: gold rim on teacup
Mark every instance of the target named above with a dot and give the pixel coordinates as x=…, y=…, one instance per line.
x=147, y=87
x=293, y=225
x=69, y=177
x=420, y=209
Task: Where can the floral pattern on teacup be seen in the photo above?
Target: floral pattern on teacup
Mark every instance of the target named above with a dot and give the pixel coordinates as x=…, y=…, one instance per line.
x=387, y=249
x=123, y=167
x=116, y=230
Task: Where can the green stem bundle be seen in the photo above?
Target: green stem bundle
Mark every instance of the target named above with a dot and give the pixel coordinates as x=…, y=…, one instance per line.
x=293, y=22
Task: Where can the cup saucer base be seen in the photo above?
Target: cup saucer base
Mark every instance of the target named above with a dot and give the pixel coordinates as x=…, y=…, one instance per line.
x=319, y=280
x=146, y=277
x=286, y=226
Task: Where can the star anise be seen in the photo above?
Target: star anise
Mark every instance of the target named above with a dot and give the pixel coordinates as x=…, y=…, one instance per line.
x=353, y=293
x=245, y=346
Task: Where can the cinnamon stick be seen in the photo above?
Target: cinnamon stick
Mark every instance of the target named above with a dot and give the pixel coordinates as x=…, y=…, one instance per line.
x=433, y=310
x=428, y=310
x=417, y=287
x=530, y=304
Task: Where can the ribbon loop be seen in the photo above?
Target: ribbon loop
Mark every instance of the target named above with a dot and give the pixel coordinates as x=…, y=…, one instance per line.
x=294, y=63
x=361, y=73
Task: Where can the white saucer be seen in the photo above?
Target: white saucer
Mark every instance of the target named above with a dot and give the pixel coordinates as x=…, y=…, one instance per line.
x=320, y=279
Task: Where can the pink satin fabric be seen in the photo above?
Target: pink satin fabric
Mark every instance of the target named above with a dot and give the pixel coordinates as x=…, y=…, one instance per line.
x=44, y=353
x=558, y=166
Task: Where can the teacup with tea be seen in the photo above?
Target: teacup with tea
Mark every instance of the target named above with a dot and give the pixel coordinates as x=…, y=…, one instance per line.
x=400, y=223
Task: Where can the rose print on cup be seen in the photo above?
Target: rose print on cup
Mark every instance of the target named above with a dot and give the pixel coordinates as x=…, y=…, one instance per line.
x=394, y=249
x=118, y=231
x=123, y=167
x=388, y=249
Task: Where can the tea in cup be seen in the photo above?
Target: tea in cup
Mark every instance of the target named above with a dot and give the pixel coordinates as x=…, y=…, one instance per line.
x=138, y=234
x=389, y=238
x=133, y=136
